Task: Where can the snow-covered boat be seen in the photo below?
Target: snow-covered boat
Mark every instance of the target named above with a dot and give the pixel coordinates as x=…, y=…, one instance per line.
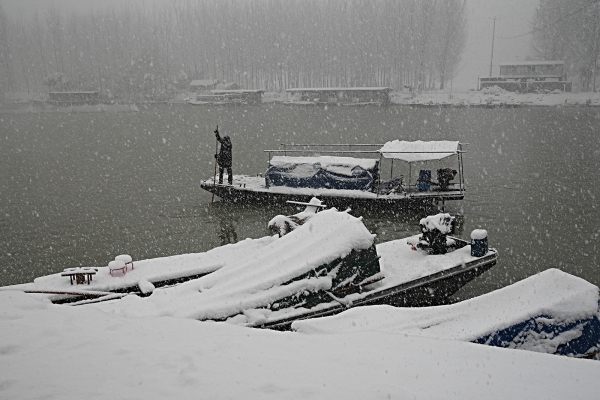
x=342, y=96
x=347, y=181
x=324, y=266
x=227, y=97
x=551, y=312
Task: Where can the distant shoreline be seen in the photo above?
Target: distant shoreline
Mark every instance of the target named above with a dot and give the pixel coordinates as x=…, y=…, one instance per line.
x=487, y=98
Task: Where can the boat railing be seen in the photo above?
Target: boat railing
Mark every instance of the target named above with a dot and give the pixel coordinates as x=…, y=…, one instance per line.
x=293, y=148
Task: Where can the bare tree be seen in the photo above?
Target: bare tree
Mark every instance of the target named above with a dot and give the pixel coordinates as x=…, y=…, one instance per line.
x=263, y=44
x=569, y=30
x=5, y=53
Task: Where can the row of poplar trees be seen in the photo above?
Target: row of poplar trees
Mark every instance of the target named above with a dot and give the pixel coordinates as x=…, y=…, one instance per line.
x=147, y=48
x=569, y=30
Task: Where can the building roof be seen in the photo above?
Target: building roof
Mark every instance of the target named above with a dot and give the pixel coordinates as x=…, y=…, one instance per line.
x=75, y=92
x=557, y=62
x=337, y=89
x=236, y=91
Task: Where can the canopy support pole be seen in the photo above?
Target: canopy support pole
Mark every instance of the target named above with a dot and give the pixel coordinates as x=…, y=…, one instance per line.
x=379, y=177
x=460, y=168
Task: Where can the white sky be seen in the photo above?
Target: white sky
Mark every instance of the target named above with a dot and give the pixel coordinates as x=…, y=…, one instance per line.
x=513, y=18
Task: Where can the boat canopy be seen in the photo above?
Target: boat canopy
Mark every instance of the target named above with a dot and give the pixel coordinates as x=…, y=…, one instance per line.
x=419, y=150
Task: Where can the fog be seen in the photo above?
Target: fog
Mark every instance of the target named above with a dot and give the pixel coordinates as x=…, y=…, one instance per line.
x=512, y=43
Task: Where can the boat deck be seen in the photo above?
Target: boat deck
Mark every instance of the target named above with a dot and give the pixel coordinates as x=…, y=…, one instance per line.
x=407, y=278
x=249, y=189
x=162, y=271
x=412, y=279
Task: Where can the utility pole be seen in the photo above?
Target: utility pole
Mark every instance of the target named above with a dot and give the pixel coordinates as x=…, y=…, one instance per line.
x=493, y=36
x=595, y=50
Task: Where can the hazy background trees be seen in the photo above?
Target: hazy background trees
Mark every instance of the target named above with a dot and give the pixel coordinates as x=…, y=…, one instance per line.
x=147, y=48
x=569, y=30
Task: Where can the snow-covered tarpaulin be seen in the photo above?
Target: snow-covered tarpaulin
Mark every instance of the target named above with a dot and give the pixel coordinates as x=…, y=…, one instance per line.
x=419, y=150
x=551, y=312
x=324, y=172
x=298, y=266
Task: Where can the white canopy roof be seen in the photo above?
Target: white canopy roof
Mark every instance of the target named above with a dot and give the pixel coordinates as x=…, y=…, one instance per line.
x=419, y=150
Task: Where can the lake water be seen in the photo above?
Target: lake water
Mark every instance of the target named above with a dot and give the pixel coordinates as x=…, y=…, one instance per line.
x=78, y=189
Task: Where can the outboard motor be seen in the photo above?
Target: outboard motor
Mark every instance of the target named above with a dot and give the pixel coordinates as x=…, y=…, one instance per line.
x=445, y=175
x=435, y=228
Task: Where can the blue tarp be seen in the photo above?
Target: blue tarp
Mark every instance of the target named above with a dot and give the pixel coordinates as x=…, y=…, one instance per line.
x=581, y=336
x=322, y=172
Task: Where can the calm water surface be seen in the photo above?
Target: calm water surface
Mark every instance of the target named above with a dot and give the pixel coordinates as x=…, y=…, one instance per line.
x=78, y=189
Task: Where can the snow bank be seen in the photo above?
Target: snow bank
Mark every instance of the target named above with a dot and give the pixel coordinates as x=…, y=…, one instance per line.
x=63, y=352
x=496, y=97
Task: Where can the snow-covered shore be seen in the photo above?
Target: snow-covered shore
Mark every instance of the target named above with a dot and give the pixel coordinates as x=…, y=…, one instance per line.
x=61, y=352
x=458, y=98
x=497, y=96
x=380, y=352
x=486, y=97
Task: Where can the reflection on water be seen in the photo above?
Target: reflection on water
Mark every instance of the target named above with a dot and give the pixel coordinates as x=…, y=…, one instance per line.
x=78, y=189
x=227, y=222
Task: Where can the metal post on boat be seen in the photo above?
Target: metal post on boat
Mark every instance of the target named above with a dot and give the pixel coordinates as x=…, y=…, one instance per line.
x=379, y=183
x=460, y=167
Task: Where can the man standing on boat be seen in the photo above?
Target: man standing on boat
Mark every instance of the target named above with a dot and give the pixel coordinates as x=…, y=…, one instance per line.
x=224, y=157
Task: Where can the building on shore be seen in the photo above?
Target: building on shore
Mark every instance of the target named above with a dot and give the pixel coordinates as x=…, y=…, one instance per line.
x=341, y=96
x=203, y=85
x=73, y=98
x=529, y=76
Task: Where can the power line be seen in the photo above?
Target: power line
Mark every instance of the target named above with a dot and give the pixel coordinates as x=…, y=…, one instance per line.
x=552, y=23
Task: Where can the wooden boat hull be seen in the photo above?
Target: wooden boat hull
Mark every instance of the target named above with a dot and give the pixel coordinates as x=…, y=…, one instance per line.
x=427, y=291
x=418, y=201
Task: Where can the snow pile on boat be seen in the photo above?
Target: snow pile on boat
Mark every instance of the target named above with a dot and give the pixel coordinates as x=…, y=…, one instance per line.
x=290, y=271
x=155, y=270
x=441, y=222
x=547, y=313
x=283, y=224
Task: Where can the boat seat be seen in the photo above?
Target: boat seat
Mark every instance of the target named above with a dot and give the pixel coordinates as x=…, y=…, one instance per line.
x=117, y=265
x=125, y=258
x=424, y=181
